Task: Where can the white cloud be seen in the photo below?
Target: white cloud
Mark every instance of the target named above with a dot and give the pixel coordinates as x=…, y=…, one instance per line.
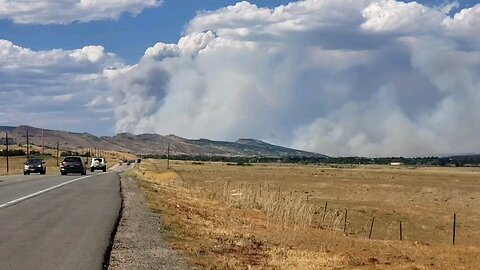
x=90, y=53
x=63, y=98
x=465, y=26
x=67, y=11
x=350, y=77
x=245, y=21
x=52, y=88
x=376, y=77
x=400, y=17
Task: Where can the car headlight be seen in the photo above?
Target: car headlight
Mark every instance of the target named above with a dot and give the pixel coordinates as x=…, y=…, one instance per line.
x=25, y=167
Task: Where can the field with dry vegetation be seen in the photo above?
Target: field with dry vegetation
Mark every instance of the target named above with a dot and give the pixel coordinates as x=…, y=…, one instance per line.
x=16, y=162
x=274, y=216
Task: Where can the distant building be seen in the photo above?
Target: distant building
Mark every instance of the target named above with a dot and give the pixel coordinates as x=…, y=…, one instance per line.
x=11, y=141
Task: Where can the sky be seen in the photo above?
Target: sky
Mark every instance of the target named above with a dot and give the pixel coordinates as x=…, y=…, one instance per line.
x=338, y=77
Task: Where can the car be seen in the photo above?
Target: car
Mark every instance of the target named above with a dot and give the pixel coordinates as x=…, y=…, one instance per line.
x=98, y=164
x=73, y=164
x=34, y=165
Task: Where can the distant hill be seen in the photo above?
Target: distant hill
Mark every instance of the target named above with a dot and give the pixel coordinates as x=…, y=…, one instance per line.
x=153, y=144
x=7, y=128
x=67, y=140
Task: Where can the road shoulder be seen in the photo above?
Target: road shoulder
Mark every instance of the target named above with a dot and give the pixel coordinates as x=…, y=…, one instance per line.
x=139, y=242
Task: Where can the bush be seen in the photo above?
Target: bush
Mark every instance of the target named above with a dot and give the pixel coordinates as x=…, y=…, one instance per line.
x=69, y=153
x=12, y=153
x=243, y=164
x=197, y=163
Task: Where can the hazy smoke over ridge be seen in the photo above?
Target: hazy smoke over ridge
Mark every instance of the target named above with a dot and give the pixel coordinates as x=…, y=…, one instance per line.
x=351, y=77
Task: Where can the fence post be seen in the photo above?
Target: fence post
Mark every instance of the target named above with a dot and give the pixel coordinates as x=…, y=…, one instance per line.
x=324, y=211
x=345, y=222
x=401, y=231
x=454, y=226
x=371, y=228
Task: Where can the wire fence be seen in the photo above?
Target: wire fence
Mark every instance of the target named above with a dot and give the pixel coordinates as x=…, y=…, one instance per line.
x=298, y=211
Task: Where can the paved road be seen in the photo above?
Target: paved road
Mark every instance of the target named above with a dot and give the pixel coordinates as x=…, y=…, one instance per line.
x=68, y=227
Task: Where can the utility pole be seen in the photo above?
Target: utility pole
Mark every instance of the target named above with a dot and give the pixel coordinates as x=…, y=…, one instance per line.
x=28, y=147
x=43, y=143
x=58, y=152
x=6, y=141
x=168, y=156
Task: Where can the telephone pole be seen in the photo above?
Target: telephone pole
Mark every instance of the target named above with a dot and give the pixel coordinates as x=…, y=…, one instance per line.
x=168, y=156
x=6, y=141
x=58, y=144
x=28, y=147
x=43, y=143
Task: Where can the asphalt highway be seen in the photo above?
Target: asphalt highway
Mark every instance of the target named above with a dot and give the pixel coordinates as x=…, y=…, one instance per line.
x=57, y=222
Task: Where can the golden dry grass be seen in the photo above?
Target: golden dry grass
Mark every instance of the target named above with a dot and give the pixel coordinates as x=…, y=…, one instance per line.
x=16, y=163
x=273, y=216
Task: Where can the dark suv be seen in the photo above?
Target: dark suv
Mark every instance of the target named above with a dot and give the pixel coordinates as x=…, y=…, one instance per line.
x=34, y=165
x=73, y=164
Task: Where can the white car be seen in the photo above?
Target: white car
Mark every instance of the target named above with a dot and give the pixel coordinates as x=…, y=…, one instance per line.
x=98, y=164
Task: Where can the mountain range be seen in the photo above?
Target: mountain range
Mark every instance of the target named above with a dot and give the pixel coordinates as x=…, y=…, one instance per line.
x=150, y=143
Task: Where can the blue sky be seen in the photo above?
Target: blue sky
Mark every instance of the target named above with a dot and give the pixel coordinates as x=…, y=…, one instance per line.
x=339, y=77
x=130, y=35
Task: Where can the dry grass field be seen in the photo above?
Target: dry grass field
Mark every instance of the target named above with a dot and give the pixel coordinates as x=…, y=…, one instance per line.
x=16, y=163
x=274, y=216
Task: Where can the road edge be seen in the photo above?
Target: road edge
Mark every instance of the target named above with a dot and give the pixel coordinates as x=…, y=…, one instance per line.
x=139, y=240
x=108, y=251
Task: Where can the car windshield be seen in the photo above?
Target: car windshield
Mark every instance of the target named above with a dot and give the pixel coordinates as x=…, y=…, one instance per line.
x=33, y=161
x=98, y=159
x=72, y=159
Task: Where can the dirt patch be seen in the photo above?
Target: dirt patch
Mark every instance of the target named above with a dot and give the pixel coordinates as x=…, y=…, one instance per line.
x=139, y=242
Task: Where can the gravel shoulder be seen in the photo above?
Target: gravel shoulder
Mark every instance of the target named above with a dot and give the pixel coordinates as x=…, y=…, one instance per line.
x=139, y=243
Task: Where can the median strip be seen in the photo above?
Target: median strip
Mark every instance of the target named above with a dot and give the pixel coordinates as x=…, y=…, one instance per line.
x=24, y=198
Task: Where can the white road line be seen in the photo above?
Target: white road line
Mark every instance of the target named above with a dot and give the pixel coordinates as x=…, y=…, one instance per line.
x=19, y=200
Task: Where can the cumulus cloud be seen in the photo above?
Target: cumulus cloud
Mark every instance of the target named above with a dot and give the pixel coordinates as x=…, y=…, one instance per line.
x=64, y=89
x=351, y=77
x=67, y=11
x=400, y=17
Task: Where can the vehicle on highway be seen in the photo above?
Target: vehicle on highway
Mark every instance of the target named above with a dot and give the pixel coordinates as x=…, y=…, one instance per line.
x=98, y=164
x=73, y=164
x=34, y=165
